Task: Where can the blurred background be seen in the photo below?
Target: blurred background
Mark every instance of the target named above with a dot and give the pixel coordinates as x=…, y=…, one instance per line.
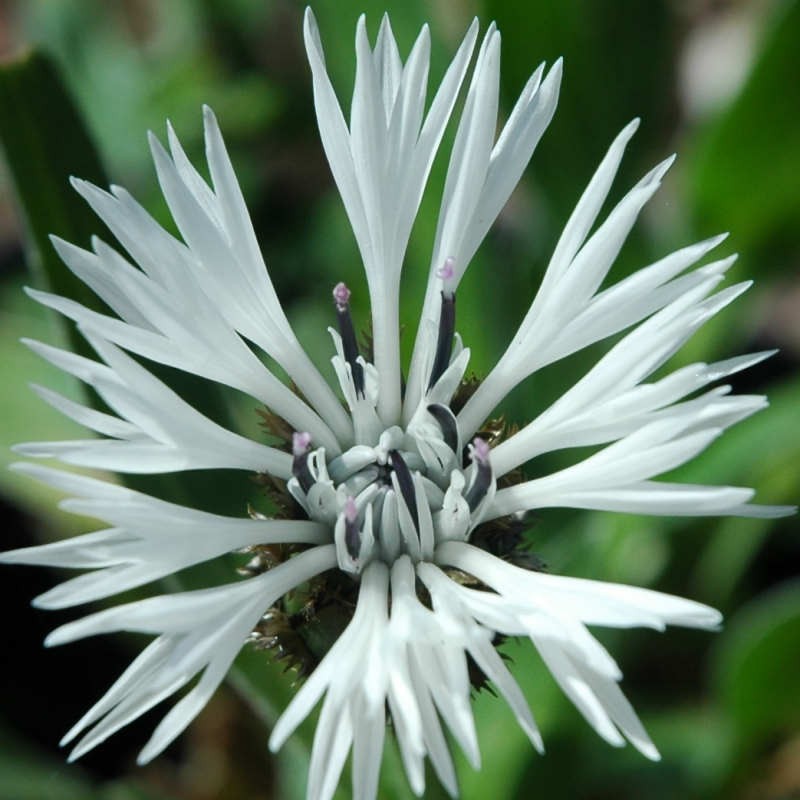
x=717, y=81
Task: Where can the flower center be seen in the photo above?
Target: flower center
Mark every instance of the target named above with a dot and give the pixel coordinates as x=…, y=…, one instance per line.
x=403, y=495
x=396, y=490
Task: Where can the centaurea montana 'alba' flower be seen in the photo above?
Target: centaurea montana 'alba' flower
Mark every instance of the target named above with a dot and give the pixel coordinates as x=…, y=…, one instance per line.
x=401, y=496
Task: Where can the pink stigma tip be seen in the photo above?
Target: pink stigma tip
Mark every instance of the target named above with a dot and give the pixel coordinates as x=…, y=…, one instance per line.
x=480, y=451
x=350, y=510
x=341, y=294
x=300, y=443
x=447, y=270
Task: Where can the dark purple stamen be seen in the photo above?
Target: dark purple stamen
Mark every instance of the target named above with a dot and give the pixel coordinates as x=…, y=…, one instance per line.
x=483, y=479
x=300, y=445
x=446, y=420
x=352, y=533
x=406, y=484
x=444, y=344
x=341, y=298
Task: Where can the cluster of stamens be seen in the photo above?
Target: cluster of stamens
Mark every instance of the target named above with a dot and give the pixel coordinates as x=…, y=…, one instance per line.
x=395, y=491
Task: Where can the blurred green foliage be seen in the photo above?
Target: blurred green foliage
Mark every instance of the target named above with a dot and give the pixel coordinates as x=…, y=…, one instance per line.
x=724, y=710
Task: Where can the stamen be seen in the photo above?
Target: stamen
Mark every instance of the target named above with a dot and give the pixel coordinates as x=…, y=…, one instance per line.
x=406, y=484
x=341, y=295
x=479, y=453
x=447, y=323
x=352, y=533
x=446, y=272
x=447, y=422
x=341, y=298
x=300, y=445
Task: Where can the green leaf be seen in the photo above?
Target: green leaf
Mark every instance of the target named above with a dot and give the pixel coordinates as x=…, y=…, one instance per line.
x=45, y=142
x=771, y=434
x=755, y=666
x=746, y=165
x=24, y=415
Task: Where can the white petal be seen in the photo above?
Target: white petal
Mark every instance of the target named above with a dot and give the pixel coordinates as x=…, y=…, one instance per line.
x=348, y=648
x=160, y=431
x=593, y=602
x=149, y=539
x=369, y=732
x=583, y=217
x=172, y=613
x=197, y=631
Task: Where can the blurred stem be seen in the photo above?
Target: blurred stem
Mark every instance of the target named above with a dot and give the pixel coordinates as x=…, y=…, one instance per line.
x=45, y=142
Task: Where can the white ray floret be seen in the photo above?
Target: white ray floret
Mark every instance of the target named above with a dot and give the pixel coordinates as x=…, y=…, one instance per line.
x=147, y=538
x=481, y=176
x=381, y=164
x=197, y=631
x=611, y=400
x=156, y=431
x=188, y=302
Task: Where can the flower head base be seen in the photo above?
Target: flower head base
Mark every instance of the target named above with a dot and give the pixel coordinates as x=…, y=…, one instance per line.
x=406, y=500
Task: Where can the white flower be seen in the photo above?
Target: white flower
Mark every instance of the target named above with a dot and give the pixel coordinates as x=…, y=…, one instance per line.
x=396, y=491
